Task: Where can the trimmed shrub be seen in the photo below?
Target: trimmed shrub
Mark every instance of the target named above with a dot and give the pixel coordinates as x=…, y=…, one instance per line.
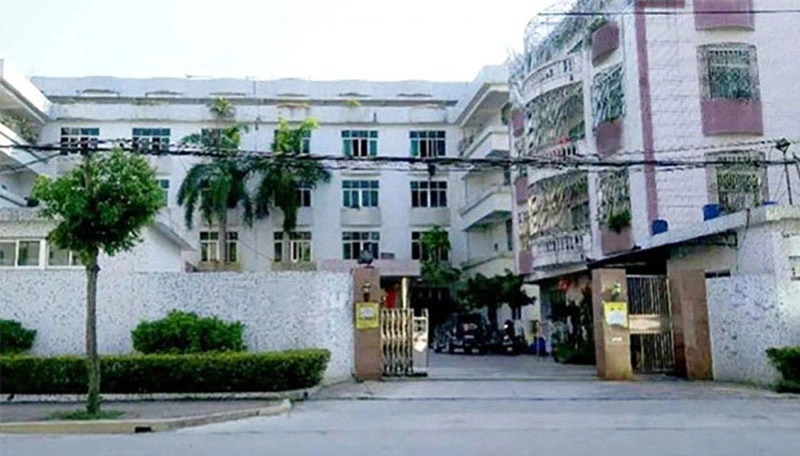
x=14, y=338
x=787, y=361
x=186, y=332
x=195, y=373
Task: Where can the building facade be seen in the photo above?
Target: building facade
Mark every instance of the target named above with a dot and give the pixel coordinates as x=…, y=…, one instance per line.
x=382, y=207
x=644, y=82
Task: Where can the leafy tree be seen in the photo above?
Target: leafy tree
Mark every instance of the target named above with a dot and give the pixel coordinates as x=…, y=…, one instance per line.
x=436, y=268
x=282, y=175
x=218, y=184
x=101, y=205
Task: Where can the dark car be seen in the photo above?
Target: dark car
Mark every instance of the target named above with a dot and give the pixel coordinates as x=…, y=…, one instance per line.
x=463, y=332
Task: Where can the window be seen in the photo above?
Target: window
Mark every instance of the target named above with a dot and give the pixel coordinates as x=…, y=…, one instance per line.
x=429, y=194
x=305, y=142
x=151, y=139
x=354, y=242
x=418, y=251
x=58, y=257
x=299, y=246
x=20, y=252
x=360, y=193
x=164, y=184
x=209, y=246
x=78, y=139
x=509, y=235
x=360, y=143
x=740, y=182
x=427, y=144
x=305, y=196
x=729, y=71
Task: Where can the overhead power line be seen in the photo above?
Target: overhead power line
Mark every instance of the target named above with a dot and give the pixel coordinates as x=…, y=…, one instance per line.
x=670, y=12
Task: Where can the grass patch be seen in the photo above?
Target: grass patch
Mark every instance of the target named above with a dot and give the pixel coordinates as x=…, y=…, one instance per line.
x=83, y=415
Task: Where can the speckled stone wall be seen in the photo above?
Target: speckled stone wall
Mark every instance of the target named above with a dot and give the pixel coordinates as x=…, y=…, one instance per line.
x=280, y=310
x=748, y=314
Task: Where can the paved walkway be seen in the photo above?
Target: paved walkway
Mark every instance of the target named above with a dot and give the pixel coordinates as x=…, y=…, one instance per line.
x=133, y=410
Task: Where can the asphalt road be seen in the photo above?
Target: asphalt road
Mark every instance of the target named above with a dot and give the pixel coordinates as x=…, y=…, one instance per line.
x=480, y=417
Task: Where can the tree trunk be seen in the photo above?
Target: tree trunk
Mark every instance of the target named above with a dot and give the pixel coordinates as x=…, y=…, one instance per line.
x=223, y=242
x=92, y=360
x=491, y=310
x=286, y=258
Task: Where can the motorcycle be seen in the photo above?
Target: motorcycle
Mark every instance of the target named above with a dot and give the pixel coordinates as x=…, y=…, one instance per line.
x=508, y=342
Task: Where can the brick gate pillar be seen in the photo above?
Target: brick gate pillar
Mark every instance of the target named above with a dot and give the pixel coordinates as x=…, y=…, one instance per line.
x=368, y=352
x=687, y=291
x=611, y=333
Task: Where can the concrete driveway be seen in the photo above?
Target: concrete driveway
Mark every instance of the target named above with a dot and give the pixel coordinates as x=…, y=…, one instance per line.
x=502, y=367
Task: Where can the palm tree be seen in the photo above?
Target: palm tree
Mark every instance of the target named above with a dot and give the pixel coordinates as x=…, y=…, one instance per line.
x=219, y=184
x=284, y=173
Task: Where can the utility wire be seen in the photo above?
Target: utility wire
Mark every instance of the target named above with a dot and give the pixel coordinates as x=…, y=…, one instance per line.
x=648, y=12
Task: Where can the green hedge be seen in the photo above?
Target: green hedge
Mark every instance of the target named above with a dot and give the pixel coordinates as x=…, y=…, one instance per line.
x=186, y=332
x=787, y=361
x=15, y=338
x=200, y=373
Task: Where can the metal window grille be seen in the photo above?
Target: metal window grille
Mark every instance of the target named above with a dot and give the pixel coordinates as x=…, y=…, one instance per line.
x=729, y=71
x=608, y=96
x=614, y=193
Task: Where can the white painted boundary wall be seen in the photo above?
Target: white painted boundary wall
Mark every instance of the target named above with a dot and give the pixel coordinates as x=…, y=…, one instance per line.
x=747, y=314
x=286, y=310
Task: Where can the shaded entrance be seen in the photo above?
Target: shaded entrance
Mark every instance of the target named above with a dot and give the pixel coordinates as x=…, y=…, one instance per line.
x=652, y=341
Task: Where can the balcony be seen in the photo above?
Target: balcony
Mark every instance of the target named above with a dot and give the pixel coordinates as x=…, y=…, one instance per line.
x=490, y=265
x=484, y=142
x=560, y=249
x=567, y=150
x=492, y=206
x=552, y=75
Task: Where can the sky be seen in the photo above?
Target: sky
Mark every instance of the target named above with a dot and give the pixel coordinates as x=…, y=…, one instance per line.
x=440, y=40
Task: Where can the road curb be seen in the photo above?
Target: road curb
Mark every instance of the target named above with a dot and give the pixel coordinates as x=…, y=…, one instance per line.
x=294, y=395
x=139, y=425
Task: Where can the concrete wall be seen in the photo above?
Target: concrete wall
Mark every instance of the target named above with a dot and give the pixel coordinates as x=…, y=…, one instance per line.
x=280, y=310
x=747, y=315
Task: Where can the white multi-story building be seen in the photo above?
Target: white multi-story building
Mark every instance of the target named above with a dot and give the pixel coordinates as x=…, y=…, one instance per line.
x=378, y=206
x=607, y=81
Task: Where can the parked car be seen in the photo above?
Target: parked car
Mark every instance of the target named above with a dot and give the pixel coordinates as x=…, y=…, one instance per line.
x=468, y=333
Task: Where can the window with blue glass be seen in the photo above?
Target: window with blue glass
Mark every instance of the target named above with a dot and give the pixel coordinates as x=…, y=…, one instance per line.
x=151, y=139
x=360, y=143
x=355, y=242
x=425, y=144
x=360, y=193
x=77, y=139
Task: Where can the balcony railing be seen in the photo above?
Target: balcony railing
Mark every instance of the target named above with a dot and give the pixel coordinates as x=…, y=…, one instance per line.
x=493, y=205
x=552, y=75
x=560, y=249
x=490, y=138
x=566, y=150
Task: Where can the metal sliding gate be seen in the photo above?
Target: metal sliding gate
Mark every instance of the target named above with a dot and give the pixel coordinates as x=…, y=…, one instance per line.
x=652, y=342
x=404, y=341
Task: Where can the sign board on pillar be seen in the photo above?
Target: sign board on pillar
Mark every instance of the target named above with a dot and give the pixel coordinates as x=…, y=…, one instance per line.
x=367, y=315
x=616, y=314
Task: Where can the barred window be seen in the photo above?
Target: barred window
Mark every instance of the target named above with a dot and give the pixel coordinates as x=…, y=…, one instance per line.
x=614, y=197
x=729, y=71
x=608, y=97
x=740, y=180
x=428, y=194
